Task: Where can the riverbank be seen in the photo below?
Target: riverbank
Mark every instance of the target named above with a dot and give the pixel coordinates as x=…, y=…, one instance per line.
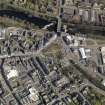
x=6, y=6
x=24, y=18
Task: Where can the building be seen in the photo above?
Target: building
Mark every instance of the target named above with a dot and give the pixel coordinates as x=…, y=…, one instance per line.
x=95, y=13
x=93, y=18
x=12, y=73
x=103, y=20
x=86, y=16
x=63, y=81
x=34, y=95
x=103, y=54
x=68, y=13
x=2, y=33
x=103, y=82
x=82, y=53
x=54, y=76
x=68, y=2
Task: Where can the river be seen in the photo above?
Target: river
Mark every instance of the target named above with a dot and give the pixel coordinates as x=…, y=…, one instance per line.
x=23, y=16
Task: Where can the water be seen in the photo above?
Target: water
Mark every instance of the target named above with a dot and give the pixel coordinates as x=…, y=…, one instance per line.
x=23, y=16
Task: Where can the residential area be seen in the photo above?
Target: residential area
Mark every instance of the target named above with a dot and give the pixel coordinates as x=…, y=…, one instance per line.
x=52, y=52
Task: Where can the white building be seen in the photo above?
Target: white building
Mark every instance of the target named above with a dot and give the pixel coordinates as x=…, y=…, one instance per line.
x=103, y=54
x=34, y=95
x=68, y=2
x=81, y=12
x=103, y=82
x=12, y=73
x=82, y=53
x=93, y=17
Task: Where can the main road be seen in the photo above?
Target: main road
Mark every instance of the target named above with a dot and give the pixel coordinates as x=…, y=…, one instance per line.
x=92, y=81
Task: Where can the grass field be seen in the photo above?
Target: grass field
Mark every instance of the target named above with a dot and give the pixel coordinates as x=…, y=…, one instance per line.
x=53, y=50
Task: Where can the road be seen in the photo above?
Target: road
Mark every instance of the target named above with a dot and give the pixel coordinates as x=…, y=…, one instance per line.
x=93, y=86
x=92, y=81
x=59, y=16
